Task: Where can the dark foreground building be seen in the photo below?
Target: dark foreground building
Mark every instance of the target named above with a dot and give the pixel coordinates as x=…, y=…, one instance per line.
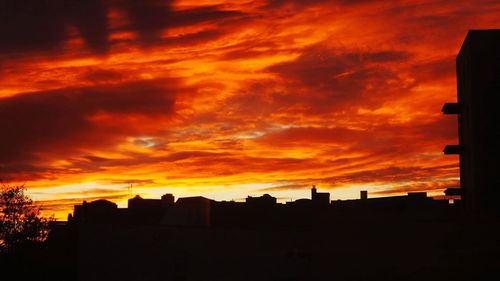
x=478, y=110
x=410, y=237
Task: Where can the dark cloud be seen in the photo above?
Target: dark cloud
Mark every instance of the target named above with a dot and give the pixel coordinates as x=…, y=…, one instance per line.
x=239, y=165
x=203, y=14
x=150, y=17
x=434, y=70
x=323, y=80
x=41, y=25
x=26, y=171
x=411, y=178
x=106, y=192
x=308, y=135
x=98, y=75
x=90, y=18
x=393, y=174
x=286, y=187
x=302, y=3
x=30, y=24
x=68, y=204
x=38, y=25
x=128, y=181
x=419, y=187
x=90, y=164
x=441, y=130
x=319, y=66
x=194, y=38
x=61, y=119
x=97, y=159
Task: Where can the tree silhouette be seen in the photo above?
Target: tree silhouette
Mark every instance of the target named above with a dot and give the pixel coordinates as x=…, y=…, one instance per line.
x=20, y=220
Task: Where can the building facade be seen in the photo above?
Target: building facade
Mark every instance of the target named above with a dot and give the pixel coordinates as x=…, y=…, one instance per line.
x=478, y=92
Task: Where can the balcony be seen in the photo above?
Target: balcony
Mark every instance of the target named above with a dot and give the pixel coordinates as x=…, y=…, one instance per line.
x=452, y=149
x=451, y=108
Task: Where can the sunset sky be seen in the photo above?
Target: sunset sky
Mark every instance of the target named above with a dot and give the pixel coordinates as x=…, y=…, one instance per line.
x=224, y=99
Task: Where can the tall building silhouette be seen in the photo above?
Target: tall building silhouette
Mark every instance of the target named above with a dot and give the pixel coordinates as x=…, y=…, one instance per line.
x=478, y=85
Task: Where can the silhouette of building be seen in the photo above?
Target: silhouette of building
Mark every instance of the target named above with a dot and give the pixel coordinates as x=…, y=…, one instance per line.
x=189, y=211
x=189, y=239
x=95, y=211
x=413, y=202
x=478, y=85
x=319, y=198
x=139, y=203
x=148, y=211
x=265, y=200
x=263, y=211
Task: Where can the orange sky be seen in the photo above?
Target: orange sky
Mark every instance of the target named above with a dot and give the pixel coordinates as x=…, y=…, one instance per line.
x=231, y=99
